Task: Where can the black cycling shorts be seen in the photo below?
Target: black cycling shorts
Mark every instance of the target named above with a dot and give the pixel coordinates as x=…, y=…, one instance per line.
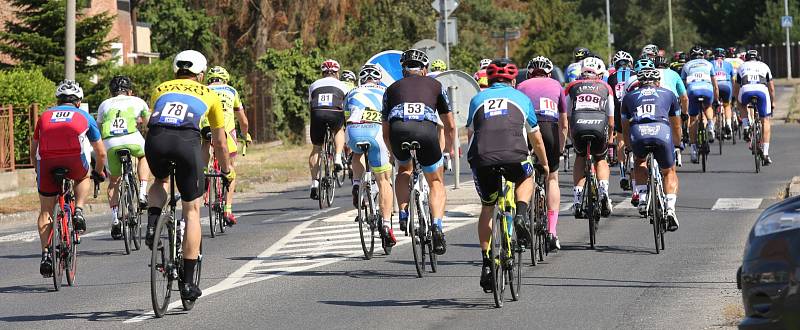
x=321, y=118
x=552, y=146
x=424, y=132
x=590, y=126
x=181, y=146
x=487, y=179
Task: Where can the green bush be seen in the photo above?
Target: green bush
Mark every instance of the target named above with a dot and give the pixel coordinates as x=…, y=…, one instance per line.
x=291, y=71
x=145, y=78
x=20, y=88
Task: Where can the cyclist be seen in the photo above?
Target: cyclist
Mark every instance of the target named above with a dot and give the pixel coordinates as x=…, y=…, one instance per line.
x=591, y=112
x=631, y=85
x=700, y=78
x=349, y=79
x=733, y=58
x=649, y=51
x=678, y=61
x=755, y=80
x=724, y=75
x=64, y=137
x=573, y=71
x=174, y=137
x=651, y=117
x=118, y=118
x=551, y=114
x=365, y=104
x=480, y=76
x=233, y=111
x=437, y=67
x=496, y=117
x=414, y=108
x=623, y=62
x=326, y=98
x=672, y=81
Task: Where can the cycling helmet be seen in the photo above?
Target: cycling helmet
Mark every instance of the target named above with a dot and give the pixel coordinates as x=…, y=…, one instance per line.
x=650, y=50
x=120, y=84
x=677, y=55
x=369, y=72
x=485, y=62
x=709, y=54
x=190, y=60
x=643, y=63
x=348, y=75
x=329, y=65
x=69, y=90
x=731, y=52
x=592, y=66
x=501, y=68
x=581, y=53
x=414, y=58
x=660, y=62
x=622, y=58
x=218, y=72
x=719, y=53
x=696, y=52
x=540, y=65
x=438, y=65
x=751, y=55
x=648, y=75
x=682, y=57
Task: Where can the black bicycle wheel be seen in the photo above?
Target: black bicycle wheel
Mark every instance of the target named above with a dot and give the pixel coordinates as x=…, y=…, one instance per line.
x=342, y=175
x=134, y=220
x=703, y=154
x=163, y=269
x=544, y=245
x=366, y=228
x=213, y=215
x=496, y=250
x=221, y=219
x=330, y=186
x=123, y=212
x=71, y=254
x=425, y=217
x=755, y=142
x=533, y=224
x=189, y=304
x=322, y=191
x=514, y=271
x=589, y=200
x=55, y=248
x=414, y=228
x=653, y=211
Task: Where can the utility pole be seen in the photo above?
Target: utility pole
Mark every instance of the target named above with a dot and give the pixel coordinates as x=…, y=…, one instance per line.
x=69, y=51
x=788, y=45
x=446, y=34
x=506, y=35
x=608, y=28
x=671, y=39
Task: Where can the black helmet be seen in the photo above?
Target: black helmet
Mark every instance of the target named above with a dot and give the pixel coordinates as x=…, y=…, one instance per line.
x=414, y=58
x=120, y=84
x=581, y=53
x=661, y=62
x=697, y=52
x=751, y=55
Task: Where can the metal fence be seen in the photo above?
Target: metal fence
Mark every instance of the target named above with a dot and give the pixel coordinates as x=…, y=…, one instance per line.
x=16, y=136
x=7, y=158
x=774, y=55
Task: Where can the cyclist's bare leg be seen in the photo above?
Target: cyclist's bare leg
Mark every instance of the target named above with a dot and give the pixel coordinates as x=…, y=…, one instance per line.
x=640, y=170
x=485, y=226
x=437, y=194
x=312, y=161
x=231, y=185
x=670, y=180
x=693, y=122
x=191, y=244
x=384, y=180
x=82, y=189
x=46, y=205
x=553, y=192
x=765, y=121
x=577, y=170
x=358, y=165
x=143, y=169
x=113, y=197
x=157, y=194
x=601, y=166
x=401, y=185
x=524, y=190
x=338, y=141
x=728, y=115
x=709, y=115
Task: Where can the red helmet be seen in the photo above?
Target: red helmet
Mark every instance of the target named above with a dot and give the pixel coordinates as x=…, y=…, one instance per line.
x=329, y=66
x=501, y=68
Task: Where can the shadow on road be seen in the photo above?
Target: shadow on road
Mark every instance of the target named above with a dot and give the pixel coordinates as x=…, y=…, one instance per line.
x=613, y=249
x=451, y=303
x=21, y=256
x=16, y=289
x=89, y=316
x=590, y=282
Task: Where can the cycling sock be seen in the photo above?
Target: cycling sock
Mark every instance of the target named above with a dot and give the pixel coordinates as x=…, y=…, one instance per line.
x=403, y=214
x=522, y=207
x=727, y=122
x=552, y=221
x=356, y=182
x=188, y=270
x=577, y=192
x=114, y=220
x=603, y=185
x=765, y=148
x=228, y=208
x=485, y=257
x=671, y=199
x=143, y=189
x=314, y=183
x=152, y=216
x=746, y=122
x=438, y=223
x=642, y=191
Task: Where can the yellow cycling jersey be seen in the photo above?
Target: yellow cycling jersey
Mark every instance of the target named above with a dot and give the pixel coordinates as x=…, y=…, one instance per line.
x=185, y=103
x=230, y=101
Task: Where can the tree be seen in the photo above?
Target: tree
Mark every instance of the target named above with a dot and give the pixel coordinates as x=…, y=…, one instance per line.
x=176, y=25
x=36, y=40
x=723, y=22
x=768, y=25
x=477, y=19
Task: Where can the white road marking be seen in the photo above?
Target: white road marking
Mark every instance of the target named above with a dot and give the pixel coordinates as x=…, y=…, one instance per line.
x=322, y=244
x=624, y=204
x=734, y=204
x=25, y=236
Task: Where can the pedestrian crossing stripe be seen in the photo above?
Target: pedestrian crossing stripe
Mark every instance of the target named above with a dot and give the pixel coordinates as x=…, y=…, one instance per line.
x=736, y=204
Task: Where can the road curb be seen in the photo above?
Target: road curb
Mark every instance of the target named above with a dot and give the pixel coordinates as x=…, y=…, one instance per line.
x=793, y=188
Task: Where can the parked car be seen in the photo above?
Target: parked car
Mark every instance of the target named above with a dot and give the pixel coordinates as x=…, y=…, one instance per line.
x=770, y=273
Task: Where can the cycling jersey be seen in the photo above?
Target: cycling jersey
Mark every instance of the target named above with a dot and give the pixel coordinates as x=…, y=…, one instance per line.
x=735, y=62
x=547, y=95
x=754, y=77
x=648, y=109
x=499, y=116
x=589, y=95
x=617, y=82
x=119, y=115
x=231, y=101
x=697, y=75
x=182, y=103
x=754, y=72
x=327, y=94
x=65, y=130
x=481, y=78
x=364, y=104
x=677, y=67
x=672, y=80
x=589, y=104
x=415, y=98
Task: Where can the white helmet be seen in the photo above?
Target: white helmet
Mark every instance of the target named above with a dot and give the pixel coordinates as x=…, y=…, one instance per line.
x=622, y=56
x=191, y=60
x=485, y=62
x=593, y=66
x=650, y=50
x=69, y=88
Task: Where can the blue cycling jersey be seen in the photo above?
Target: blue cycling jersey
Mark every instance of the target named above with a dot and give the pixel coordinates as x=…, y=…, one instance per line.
x=697, y=74
x=672, y=81
x=724, y=71
x=650, y=104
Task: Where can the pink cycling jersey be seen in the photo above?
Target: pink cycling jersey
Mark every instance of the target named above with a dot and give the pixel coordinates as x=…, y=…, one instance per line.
x=547, y=97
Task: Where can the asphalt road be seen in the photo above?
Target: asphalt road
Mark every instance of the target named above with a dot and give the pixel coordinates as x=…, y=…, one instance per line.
x=289, y=265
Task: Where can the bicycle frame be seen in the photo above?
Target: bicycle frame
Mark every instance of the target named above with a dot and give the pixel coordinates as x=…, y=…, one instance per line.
x=591, y=196
x=656, y=203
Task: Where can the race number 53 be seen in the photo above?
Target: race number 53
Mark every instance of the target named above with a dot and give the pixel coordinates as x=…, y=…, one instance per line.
x=413, y=110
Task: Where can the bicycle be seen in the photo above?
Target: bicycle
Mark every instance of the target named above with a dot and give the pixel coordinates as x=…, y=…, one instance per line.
x=702, y=139
x=369, y=218
x=537, y=218
x=504, y=250
x=347, y=170
x=420, y=223
x=720, y=123
x=625, y=165
x=565, y=155
x=63, y=239
x=325, y=175
x=590, y=201
x=166, y=258
x=756, y=133
x=215, y=199
x=129, y=208
x=656, y=199
x=736, y=126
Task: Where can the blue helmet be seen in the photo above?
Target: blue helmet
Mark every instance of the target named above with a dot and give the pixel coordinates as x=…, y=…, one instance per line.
x=644, y=63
